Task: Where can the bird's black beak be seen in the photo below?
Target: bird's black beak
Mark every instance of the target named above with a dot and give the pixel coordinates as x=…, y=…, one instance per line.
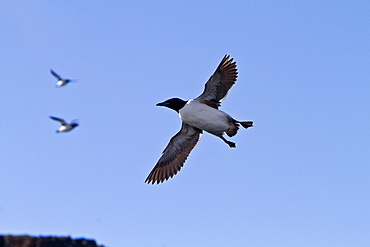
x=162, y=104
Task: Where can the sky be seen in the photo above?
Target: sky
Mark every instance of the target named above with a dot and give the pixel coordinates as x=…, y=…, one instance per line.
x=299, y=177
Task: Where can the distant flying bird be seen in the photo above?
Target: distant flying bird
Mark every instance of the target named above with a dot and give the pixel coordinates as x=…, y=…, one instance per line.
x=65, y=126
x=197, y=115
x=61, y=81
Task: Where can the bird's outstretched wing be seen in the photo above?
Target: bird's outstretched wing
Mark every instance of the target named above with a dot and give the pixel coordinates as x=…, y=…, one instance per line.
x=59, y=120
x=175, y=154
x=219, y=83
x=55, y=74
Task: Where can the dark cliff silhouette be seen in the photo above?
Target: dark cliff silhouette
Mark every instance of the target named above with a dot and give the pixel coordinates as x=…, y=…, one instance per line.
x=27, y=241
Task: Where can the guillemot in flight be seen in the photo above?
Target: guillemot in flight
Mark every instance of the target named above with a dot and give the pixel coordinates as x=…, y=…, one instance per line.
x=61, y=81
x=197, y=115
x=65, y=126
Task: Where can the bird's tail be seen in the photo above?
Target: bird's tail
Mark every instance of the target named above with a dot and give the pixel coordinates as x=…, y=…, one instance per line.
x=233, y=129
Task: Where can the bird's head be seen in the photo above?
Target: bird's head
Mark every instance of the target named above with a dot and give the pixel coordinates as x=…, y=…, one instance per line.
x=174, y=104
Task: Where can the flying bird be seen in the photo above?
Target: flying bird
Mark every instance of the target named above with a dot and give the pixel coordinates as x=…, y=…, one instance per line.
x=65, y=126
x=197, y=115
x=61, y=81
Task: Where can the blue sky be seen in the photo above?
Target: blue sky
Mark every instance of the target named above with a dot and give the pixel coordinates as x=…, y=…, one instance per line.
x=299, y=177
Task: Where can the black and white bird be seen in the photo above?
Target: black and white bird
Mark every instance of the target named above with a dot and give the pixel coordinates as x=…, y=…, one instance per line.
x=65, y=126
x=197, y=115
x=61, y=81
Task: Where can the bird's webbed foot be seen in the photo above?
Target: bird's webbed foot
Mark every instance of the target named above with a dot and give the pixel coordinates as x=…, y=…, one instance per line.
x=231, y=144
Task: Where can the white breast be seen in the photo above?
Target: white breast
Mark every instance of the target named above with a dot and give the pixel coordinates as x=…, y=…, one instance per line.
x=60, y=83
x=204, y=117
x=65, y=128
